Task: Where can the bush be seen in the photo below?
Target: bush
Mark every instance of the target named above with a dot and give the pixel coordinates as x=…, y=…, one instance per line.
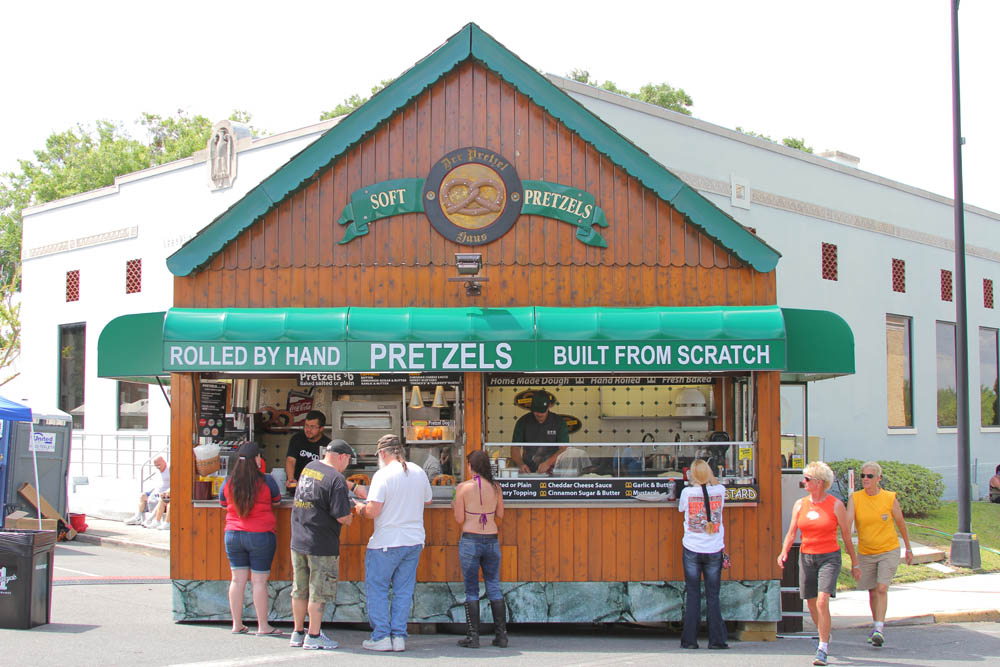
x=917, y=489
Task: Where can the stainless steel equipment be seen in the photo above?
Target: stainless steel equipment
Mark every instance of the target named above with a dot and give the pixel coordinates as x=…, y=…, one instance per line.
x=362, y=423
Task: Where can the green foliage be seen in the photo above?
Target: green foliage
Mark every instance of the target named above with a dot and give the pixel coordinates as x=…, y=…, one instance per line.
x=661, y=94
x=790, y=142
x=917, y=489
x=353, y=102
x=988, y=401
x=10, y=325
x=947, y=407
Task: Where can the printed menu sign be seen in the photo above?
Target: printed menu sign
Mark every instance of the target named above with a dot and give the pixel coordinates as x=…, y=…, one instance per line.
x=212, y=416
x=606, y=488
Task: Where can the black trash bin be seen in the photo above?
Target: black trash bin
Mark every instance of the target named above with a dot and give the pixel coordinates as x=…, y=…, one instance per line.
x=26, y=577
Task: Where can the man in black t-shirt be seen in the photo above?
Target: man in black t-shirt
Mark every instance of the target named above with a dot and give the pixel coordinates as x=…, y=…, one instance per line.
x=539, y=425
x=321, y=506
x=305, y=447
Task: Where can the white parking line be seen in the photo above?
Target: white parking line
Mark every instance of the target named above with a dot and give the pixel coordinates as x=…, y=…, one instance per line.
x=66, y=569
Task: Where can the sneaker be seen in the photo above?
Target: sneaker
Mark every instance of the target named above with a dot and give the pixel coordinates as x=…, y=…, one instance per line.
x=820, y=658
x=134, y=520
x=297, y=639
x=876, y=639
x=398, y=643
x=152, y=523
x=384, y=644
x=322, y=642
x=163, y=526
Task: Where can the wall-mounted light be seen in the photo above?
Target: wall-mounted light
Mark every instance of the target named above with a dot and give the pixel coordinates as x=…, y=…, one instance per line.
x=469, y=264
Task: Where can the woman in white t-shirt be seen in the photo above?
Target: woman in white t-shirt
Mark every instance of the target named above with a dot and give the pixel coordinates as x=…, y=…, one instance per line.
x=704, y=548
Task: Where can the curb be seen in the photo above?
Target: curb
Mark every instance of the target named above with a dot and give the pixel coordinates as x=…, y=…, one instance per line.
x=139, y=547
x=967, y=616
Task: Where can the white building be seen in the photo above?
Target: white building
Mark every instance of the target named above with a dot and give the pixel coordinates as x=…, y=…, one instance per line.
x=90, y=258
x=870, y=249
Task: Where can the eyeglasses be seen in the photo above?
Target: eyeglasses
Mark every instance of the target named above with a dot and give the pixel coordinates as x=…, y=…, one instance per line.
x=868, y=475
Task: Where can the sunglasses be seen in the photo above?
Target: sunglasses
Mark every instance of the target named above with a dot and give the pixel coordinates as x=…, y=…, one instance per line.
x=808, y=479
x=868, y=475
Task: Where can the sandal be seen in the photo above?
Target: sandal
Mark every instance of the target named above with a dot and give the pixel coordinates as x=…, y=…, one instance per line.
x=275, y=632
x=241, y=631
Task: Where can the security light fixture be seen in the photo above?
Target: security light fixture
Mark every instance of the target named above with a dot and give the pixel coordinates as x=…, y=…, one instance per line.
x=469, y=264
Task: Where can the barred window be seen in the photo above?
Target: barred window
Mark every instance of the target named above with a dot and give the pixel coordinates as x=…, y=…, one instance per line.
x=898, y=275
x=946, y=286
x=829, y=259
x=133, y=276
x=73, y=285
x=987, y=293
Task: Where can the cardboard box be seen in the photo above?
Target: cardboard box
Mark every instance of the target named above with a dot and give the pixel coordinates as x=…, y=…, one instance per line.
x=21, y=521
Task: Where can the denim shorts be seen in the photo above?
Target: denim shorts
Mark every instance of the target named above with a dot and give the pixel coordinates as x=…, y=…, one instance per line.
x=250, y=550
x=818, y=574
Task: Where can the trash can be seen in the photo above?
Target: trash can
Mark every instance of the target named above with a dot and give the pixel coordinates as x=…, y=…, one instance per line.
x=26, y=577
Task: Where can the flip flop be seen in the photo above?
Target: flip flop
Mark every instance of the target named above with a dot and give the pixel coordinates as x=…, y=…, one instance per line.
x=241, y=631
x=275, y=632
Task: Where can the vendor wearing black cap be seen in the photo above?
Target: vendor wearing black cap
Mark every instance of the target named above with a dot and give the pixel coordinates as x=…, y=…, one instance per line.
x=539, y=426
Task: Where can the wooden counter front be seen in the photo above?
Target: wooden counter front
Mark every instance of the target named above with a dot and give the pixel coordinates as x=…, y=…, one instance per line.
x=539, y=543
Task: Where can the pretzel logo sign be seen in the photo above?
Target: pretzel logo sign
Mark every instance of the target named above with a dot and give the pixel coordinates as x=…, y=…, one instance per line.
x=472, y=196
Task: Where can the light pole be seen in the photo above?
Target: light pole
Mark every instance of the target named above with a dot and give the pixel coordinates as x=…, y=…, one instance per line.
x=964, y=544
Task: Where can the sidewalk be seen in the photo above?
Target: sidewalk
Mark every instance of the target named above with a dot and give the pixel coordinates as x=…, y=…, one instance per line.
x=954, y=600
x=135, y=538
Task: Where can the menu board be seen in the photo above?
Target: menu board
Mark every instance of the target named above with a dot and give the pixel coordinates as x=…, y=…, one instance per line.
x=606, y=488
x=376, y=379
x=617, y=380
x=212, y=415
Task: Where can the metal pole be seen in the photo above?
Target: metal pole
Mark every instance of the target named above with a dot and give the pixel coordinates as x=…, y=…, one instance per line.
x=964, y=545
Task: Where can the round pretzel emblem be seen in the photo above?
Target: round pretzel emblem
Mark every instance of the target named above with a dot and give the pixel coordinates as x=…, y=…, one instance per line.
x=470, y=197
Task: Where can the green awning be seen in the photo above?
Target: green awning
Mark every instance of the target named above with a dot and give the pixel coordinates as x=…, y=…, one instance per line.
x=820, y=345
x=130, y=349
x=804, y=344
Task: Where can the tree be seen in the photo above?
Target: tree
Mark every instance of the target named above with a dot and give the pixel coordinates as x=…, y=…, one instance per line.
x=84, y=158
x=661, y=94
x=10, y=326
x=791, y=142
x=353, y=102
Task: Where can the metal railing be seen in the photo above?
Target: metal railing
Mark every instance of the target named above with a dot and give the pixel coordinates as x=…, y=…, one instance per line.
x=115, y=455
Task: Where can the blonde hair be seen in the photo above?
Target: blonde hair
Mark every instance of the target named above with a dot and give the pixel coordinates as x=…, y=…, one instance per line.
x=701, y=473
x=820, y=470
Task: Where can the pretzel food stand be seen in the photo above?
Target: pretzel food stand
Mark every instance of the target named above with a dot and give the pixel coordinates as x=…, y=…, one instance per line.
x=468, y=237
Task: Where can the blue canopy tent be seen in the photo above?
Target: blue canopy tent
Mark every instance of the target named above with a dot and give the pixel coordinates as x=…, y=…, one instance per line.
x=18, y=412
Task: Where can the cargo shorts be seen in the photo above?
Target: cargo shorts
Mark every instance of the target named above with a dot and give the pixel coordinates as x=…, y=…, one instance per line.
x=314, y=578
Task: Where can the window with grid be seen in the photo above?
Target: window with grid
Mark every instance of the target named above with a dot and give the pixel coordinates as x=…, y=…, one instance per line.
x=946, y=286
x=989, y=377
x=829, y=261
x=898, y=275
x=899, y=371
x=73, y=285
x=133, y=276
x=987, y=293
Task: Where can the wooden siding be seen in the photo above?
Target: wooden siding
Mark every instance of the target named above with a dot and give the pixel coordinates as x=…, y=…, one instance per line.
x=290, y=258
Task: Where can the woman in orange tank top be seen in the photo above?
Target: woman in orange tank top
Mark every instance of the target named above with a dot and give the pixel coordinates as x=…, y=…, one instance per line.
x=818, y=516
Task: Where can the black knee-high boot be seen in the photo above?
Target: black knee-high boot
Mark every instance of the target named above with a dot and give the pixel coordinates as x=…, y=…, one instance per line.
x=500, y=621
x=471, y=625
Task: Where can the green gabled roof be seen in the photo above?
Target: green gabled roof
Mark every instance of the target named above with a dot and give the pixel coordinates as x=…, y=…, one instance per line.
x=472, y=42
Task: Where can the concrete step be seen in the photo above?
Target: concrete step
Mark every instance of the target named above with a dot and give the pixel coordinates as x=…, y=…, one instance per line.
x=923, y=554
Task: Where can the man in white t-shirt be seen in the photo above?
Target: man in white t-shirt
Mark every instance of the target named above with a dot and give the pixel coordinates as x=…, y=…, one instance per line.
x=396, y=499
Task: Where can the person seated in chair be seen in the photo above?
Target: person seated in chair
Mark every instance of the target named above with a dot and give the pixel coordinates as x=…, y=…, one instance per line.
x=148, y=500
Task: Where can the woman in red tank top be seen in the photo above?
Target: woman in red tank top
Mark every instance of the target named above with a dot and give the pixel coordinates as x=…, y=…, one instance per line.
x=818, y=516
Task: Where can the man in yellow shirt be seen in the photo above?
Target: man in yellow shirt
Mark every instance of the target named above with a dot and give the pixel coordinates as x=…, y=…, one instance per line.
x=878, y=545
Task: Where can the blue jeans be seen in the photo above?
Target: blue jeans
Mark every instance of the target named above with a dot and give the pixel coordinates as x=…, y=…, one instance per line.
x=709, y=565
x=475, y=551
x=395, y=566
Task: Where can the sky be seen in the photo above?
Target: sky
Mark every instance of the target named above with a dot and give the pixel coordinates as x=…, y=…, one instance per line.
x=867, y=77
